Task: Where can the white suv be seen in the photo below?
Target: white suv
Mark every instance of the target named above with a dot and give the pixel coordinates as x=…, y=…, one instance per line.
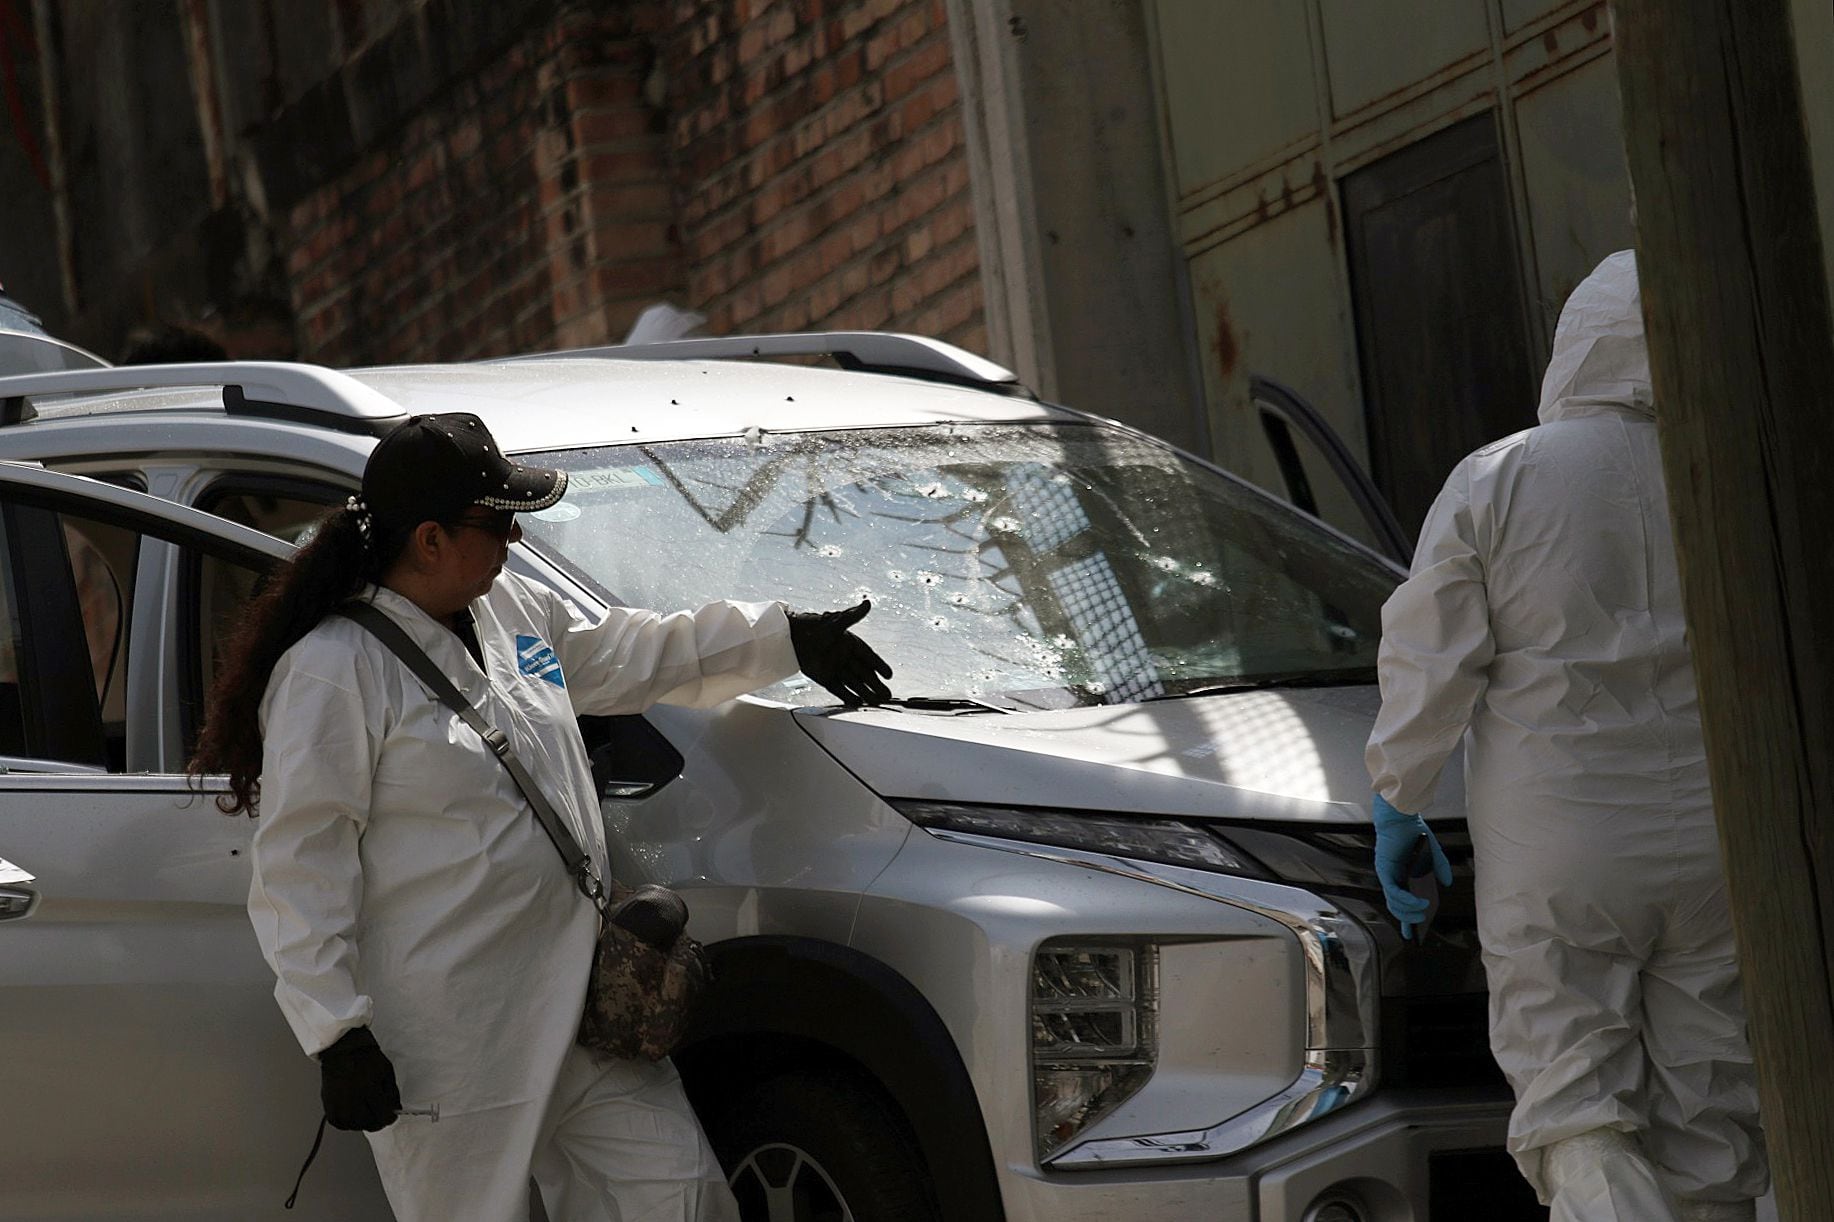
x=1081, y=926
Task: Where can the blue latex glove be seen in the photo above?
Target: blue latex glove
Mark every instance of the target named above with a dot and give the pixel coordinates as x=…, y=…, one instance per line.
x=1396, y=836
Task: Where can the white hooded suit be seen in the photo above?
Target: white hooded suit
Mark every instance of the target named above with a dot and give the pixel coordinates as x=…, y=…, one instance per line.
x=1542, y=625
x=402, y=883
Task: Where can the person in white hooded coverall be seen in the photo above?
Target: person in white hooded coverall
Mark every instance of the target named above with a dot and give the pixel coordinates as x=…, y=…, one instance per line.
x=1542, y=625
x=428, y=944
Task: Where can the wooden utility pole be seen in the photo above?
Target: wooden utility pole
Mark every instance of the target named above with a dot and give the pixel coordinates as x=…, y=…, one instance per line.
x=1741, y=346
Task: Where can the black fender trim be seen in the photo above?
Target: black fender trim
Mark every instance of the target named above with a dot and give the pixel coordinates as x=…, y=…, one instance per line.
x=819, y=999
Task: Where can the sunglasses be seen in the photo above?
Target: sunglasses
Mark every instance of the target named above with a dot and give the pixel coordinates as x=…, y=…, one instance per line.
x=500, y=523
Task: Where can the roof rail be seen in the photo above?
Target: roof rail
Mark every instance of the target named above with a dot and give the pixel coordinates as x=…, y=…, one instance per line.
x=913, y=356
x=276, y=390
x=28, y=352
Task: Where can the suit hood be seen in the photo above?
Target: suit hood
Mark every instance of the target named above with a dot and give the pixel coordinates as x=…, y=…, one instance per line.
x=1600, y=358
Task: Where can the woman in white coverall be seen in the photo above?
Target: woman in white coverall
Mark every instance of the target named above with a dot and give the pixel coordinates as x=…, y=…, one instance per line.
x=1542, y=625
x=429, y=945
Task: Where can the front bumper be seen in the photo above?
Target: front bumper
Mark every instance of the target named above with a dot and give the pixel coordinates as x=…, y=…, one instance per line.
x=1380, y=1150
x=1257, y=981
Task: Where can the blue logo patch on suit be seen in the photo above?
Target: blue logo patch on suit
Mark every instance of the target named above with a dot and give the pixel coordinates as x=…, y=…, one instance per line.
x=533, y=657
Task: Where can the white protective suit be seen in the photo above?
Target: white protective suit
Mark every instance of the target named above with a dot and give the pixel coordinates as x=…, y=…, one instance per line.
x=1542, y=625
x=402, y=883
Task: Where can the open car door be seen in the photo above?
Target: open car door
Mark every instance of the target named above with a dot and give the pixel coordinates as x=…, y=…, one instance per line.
x=151, y=1074
x=1286, y=419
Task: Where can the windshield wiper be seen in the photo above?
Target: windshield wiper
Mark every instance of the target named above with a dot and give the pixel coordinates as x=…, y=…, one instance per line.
x=1256, y=683
x=942, y=704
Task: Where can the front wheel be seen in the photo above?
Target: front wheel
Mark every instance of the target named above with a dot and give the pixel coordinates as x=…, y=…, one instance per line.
x=812, y=1146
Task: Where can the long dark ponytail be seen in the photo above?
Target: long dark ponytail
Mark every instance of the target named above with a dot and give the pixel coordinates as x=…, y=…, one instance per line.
x=337, y=562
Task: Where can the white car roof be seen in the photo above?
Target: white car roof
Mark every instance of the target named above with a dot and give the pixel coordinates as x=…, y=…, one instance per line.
x=549, y=404
x=566, y=401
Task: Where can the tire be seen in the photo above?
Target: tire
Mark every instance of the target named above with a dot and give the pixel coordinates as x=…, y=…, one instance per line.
x=815, y=1146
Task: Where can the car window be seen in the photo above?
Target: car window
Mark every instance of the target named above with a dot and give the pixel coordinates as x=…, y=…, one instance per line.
x=286, y=513
x=221, y=588
x=1048, y=563
x=102, y=560
x=98, y=562
x=69, y=597
x=88, y=676
x=216, y=589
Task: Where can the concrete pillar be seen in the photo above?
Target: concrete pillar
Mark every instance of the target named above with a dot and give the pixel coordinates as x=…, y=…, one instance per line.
x=1083, y=284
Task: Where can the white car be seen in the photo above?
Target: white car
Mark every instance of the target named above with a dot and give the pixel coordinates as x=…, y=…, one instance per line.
x=1081, y=926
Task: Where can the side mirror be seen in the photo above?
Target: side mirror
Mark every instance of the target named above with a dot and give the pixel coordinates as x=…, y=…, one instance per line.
x=630, y=757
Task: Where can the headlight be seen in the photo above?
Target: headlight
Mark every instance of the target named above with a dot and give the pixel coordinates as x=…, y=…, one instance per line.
x=1170, y=841
x=1094, y=1018
x=1332, y=858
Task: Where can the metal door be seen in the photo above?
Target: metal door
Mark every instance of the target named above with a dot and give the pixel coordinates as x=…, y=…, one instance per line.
x=1441, y=329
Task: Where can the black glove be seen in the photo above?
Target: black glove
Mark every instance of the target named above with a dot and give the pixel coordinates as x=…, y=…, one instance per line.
x=837, y=659
x=357, y=1083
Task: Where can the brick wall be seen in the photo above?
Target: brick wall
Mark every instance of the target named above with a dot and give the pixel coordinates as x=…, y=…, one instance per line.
x=780, y=165
x=527, y=206
x=820, y=174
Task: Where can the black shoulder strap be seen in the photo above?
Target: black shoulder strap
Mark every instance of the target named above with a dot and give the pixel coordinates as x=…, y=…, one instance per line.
x=391, y=634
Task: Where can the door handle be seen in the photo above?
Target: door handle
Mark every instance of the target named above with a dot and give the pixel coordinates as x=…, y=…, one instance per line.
x=17, y=903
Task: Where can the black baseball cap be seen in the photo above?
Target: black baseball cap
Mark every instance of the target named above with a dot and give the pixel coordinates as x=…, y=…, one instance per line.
x=431, y=468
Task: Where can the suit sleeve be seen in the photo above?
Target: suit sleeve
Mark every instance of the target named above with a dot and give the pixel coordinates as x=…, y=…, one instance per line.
x=1435, y=654
x=632, y=658
x=321, y=741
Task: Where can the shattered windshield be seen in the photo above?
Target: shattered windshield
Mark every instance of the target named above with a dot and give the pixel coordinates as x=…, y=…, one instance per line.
x=1044, y=565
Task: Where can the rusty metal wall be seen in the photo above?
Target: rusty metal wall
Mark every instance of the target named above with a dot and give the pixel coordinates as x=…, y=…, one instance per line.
x=1268, y=105
x=1570, y=149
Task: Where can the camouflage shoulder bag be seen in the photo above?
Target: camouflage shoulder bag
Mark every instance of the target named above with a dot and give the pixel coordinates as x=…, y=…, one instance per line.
x=647, y=973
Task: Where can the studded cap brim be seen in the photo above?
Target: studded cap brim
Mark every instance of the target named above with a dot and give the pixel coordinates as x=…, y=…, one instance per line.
x=527, y=489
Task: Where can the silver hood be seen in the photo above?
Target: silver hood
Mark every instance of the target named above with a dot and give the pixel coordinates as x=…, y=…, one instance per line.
x=1282, y=756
